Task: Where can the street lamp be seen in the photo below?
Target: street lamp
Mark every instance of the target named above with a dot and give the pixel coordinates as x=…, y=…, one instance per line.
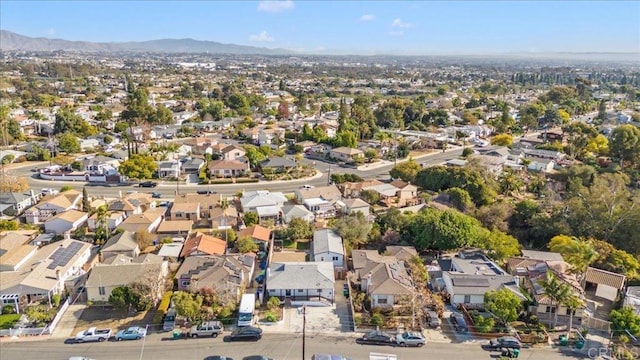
x=304, y=326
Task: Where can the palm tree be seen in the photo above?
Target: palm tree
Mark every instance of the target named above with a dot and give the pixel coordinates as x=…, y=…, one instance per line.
x=557, y=291
x=102, y=227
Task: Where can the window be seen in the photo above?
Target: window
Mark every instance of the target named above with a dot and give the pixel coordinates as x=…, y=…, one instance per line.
x=300, y=290
x=550, y=309
x=467, y=299
x=185, y=282
x=335, y=258
x=382, y=300
x=101, y=290
x=568, y=312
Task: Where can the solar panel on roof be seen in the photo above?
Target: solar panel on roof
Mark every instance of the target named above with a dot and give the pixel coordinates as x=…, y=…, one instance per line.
x=63, y=255
x=470, y=282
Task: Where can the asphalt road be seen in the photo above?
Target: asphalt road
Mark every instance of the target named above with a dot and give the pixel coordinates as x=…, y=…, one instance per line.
x=276, y=346
x=168, y=190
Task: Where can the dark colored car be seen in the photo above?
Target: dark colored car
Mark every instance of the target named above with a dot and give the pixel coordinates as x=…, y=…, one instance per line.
x=256, y=357
x=205, y=192
x=217, y=357
x=458, y=322
x=148, y=184
x=506, y=342
x=376, y=338
x=248, y=333
x=156, y=195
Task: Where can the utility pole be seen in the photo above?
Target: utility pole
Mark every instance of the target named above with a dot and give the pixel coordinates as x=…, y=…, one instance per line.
x=329, y=176
x=304, y=326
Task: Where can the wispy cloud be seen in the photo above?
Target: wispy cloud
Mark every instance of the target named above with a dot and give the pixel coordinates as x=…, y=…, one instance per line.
x=398, y=23
x=367, y=17
x=51, y=32
x=272, y=6
x=262, y=37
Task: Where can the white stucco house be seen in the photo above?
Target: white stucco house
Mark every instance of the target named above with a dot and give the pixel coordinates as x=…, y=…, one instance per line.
x=69, y=220
x=327, y=246
x=301, y=281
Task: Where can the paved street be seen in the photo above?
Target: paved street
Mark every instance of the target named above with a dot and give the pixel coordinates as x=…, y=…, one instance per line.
x=168, y=190
x=276, y=346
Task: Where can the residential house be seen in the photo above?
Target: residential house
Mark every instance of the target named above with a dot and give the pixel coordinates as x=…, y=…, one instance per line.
x=114, y=218
x=290, y=212
x=16, y=248
x=150, y=270
x=228, y=274
x=268, y=205
x=169, y=169
x=228, y=168
x=604, y=284
x=203, y=244
x=301, y=281
x=260, y=235
x=632, y=298
x=14, y=203
x=346, y=154
x=63, y=222
x=124, y=243
x=327, y=246
x=354, y=189
x=228, y=151
x=100, y=165
x=193, y=166
x=531, y=268
x=88, y=144
x=470, y=274
x=224, y=219
x=171, y=251
x=185, y=211
x=276, y=165
x=177, y=229
x=51, y=205
x=144, y=199
x=356, y=205
x=207, y=202
x=126, y=206
x=43, y=274
x=320, y=200
x=384, y=277
x=540, y=165
x=147, y=221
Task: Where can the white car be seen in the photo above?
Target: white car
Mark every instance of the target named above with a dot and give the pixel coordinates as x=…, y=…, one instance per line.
x=79, y=358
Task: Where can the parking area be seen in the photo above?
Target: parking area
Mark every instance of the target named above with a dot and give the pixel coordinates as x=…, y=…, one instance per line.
x=108, y=318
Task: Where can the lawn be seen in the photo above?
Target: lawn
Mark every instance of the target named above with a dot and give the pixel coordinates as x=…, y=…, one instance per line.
x=8, y=320
x=303, y=244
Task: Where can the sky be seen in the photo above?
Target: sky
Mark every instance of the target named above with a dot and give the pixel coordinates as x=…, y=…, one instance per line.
x=355, y=27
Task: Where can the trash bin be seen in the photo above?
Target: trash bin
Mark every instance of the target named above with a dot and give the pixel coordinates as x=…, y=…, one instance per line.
x=579, y=344
x=563, y=340
x=516, y=353
x=176, y=334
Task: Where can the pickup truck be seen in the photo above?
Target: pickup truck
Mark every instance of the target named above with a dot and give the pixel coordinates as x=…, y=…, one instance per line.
x=208, y=328
x=93, y=334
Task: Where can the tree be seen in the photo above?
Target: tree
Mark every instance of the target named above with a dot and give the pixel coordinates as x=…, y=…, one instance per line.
x=10, y=183
x=86, y=203
x=407, y=171
x=250, y=218
x=162, y=116
x=556, y=290
x=502, y=140
x=624, y=145
x=69, y=122
x=354, y=229
x=625, y=319
x=246, y=245
x=614, y=260
x=509, y=182
x=370, y=196
x=283, y=110
x=65, y=188
x=500, y=246
x=187, y=304
x=69, y=143
x=442, y=230
x=139, y=166
x=371, y=154
x=299, y=229
x=254, y=155
x=503, y=304
x=577, y=252
x=120, y=297
x=144, y=239
x=460, y=198
x=8, y=225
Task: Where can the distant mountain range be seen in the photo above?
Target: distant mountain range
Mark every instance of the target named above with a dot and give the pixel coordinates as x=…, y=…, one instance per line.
x=10, y=41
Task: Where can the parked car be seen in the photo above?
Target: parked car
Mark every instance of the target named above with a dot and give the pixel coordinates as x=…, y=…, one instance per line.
x=247, y=333
x=217, y=357
x=458, y=322
x=256, y=357
x=376, y=337
x=156, y=195
x=410, y=338
x=208, y=328
x=132, y=333
x=205, y=192
x=433, y=320
x=307, y=187
x=93, y=334
x=169, y=321
x=329, y=357
x=79, y=358
x=148, y=184
x=506, y=342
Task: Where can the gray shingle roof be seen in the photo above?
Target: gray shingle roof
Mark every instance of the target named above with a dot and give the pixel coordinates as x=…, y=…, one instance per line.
x=300, y=275
x=325, y=241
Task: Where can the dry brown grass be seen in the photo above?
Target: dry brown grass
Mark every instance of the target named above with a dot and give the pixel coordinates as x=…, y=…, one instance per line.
x=107, y=318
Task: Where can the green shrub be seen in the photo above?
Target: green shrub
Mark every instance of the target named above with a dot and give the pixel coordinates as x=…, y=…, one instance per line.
x=246, y=180
x=56, y=300
x=8, y=309
x=270, y=317
x=484, y=324
x=377, y=319
x=222, y=181
x=21, y=159
x=273, y=303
